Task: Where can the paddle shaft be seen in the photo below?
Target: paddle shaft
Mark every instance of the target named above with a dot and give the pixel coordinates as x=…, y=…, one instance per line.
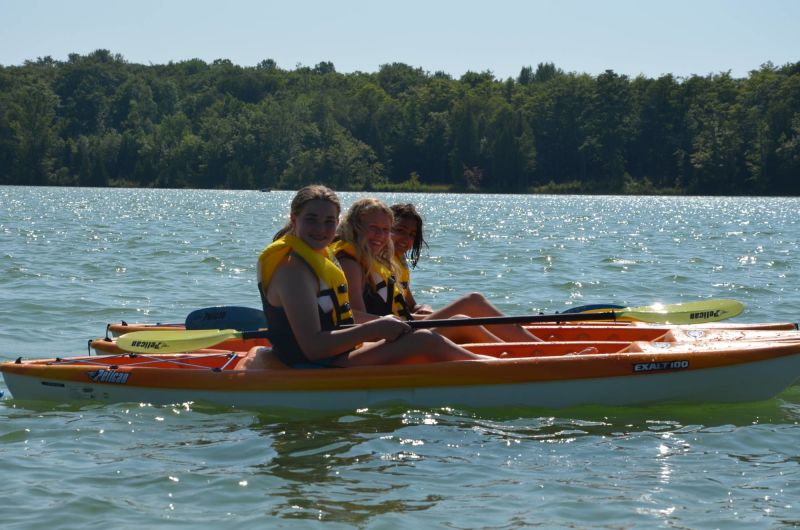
x=244, y=318
x=518, y=319
x=478, y=321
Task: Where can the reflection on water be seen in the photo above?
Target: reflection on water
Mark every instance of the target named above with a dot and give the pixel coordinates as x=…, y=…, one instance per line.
x=421, y=466
x=360, y=466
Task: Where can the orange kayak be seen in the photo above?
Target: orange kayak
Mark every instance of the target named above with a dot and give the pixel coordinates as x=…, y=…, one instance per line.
x=544, y=374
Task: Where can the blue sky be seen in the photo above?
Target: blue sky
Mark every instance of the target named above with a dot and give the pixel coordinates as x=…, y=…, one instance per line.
x=682, y=37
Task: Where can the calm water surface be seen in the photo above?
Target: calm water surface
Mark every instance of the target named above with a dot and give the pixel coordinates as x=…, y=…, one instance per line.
x=72, y=260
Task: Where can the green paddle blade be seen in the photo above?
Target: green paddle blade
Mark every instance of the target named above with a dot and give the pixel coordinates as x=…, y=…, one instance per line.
x=174, y=341
x=685, y=313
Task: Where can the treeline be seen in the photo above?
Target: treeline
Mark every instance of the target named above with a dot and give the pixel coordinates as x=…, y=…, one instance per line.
x=97, y=120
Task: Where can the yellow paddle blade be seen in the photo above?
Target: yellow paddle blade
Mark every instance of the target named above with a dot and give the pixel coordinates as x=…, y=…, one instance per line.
x=174, y=341
x=685, y=313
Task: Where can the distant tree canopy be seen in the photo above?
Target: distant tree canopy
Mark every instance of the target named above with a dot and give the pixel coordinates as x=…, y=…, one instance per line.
x=97, y=120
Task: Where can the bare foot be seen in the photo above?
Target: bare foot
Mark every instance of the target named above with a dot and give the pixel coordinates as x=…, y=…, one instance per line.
x=254, y=360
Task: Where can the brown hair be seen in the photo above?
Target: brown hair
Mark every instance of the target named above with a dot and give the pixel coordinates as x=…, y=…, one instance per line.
x=304, y=195
x=352, y=231
x=407, y=211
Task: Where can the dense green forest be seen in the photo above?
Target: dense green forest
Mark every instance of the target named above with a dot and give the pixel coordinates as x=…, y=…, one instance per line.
x=97, y=120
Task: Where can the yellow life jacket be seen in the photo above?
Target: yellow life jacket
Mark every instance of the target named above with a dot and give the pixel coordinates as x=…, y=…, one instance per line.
x=403, y=272
x=332, y=296
x=403, y=276
x=382, y=296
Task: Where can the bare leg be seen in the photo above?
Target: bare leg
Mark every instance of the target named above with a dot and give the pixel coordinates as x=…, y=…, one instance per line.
x=416, y=347
x=468, y=333
x=476, y=305
x=256, y=359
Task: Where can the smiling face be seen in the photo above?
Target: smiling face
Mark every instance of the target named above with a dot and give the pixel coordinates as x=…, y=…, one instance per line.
x=376, y=226
x=403, y=234
x=316, y=223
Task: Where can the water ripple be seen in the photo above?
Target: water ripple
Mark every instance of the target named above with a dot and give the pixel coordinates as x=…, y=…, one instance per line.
x=74, y=259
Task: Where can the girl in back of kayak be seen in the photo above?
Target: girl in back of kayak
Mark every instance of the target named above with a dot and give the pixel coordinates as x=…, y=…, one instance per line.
x=366, y=252
x=408, y=240
x=306, y=301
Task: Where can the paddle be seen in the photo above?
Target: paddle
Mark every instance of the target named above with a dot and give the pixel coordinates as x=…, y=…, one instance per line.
x=693, y=312
x=244, y=318
x=226, y=317
x=698, y=312
x=593, y=307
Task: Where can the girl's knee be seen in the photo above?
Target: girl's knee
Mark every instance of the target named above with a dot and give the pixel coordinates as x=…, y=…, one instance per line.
x=428, y=339
x=424, y=334
x=476, y=298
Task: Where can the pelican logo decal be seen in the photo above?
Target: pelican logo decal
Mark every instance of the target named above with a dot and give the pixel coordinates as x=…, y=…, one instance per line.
x=109, y=376
x=659, y=366
x=147, y=344
x=705, y=314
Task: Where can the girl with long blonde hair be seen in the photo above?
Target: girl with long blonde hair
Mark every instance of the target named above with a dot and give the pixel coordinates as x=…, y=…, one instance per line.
x=365, y=250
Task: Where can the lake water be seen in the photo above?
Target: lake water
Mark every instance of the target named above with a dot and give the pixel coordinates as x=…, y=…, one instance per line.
x=72, y=260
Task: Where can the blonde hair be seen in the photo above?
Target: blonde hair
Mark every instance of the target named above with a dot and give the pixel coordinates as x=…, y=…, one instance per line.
x=304, y=195
x=353, y=231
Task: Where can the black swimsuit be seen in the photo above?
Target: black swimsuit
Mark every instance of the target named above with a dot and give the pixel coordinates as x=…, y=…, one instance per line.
x=376, y=305
x=284, y=343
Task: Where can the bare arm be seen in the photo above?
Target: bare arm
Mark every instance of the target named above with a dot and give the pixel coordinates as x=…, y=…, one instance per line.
x=294, y=288
x=355, y=285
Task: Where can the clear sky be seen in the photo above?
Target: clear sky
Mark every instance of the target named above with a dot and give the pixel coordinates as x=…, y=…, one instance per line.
x=631, y=37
